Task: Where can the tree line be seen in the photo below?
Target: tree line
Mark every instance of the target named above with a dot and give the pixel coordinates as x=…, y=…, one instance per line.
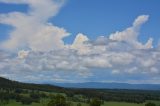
x=12, y=90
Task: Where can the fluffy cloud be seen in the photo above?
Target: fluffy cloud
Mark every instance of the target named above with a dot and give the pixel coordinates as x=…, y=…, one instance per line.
x=130, y=35
x=39, y=49
x=22, y=54
x=33, y=28
x=79, y=44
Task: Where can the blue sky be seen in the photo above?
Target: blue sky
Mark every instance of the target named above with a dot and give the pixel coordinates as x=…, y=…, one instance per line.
x=95, y=18
x=96, y=40
x=102, y=17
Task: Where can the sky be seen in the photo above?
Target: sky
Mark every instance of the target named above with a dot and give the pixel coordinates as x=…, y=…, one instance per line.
x=48, y=41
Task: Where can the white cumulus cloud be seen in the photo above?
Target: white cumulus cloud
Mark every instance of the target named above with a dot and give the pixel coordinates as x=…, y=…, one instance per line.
x=40, y=52
x=131, y=34
x=32, y=30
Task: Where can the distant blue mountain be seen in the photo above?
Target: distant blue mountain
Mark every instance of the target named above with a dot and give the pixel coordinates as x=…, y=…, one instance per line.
x=100, y=85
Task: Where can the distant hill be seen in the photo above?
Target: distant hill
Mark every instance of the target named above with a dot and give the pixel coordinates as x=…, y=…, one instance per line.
x=6, y=83
x=100, y=85
x=9, y=84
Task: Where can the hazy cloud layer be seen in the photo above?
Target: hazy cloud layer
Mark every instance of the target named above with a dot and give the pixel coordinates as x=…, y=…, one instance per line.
x=39, y=50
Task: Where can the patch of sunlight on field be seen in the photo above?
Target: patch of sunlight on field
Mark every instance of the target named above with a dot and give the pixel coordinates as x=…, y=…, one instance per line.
x=114, y=104
x=83, y=104
x=156, y=102
x=121, y=104
x=14, y=103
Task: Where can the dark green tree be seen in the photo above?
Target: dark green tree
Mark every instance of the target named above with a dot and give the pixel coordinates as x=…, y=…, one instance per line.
x=79, y=104
x=95, y=102
x=58, y=100
x=26, y=100
x=150, y=104
x=4, y=98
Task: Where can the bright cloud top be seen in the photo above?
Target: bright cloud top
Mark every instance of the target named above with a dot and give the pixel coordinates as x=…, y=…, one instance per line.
x=41, y=52
x=32, y=30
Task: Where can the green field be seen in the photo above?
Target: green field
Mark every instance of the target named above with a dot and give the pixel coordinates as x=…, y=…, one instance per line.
x=13, y=103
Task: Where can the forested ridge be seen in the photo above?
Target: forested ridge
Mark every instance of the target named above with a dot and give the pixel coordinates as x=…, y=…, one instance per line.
x=11, y=89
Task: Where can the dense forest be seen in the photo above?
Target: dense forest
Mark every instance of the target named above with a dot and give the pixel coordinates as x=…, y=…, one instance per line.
x=14, y=90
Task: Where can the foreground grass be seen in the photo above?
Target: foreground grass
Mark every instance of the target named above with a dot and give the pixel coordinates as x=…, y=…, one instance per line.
x=13, y=103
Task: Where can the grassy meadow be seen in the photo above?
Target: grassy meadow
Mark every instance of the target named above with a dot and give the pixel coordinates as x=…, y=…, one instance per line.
x=44, y=103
